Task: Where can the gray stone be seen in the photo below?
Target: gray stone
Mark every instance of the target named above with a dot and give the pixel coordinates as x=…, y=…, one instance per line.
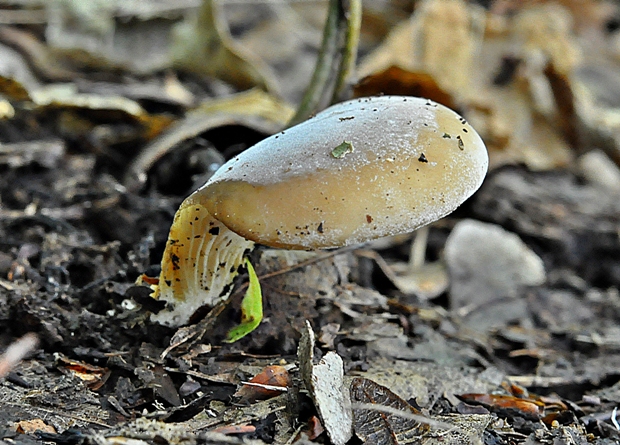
x=489, y=269
x=598, y=168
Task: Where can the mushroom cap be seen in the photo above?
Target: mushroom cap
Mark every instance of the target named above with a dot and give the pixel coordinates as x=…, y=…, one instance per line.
x=359, y=170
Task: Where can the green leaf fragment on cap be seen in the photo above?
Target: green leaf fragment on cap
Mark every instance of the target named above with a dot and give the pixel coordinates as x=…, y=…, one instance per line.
x=341, y=150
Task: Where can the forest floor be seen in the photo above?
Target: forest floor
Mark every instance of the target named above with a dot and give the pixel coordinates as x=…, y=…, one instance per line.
x=507, y=331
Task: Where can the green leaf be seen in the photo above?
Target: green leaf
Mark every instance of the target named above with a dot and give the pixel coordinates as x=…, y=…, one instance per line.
x=341, y=150
x=251, y=308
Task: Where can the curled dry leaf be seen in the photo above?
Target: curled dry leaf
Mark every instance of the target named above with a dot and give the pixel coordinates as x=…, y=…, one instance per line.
x=157, y=378
x=254, y=109
x=546, y=31
x=418, y=277
x=383, y=425
x=33, y=426
x=204, y=46
x=93, y=376
x=13, y=89
x=315, y=428
x=397, y=80
x=270, y=382
x=528, y=408
x=441, y=39
x=427, y=281
x=80, y=115
x=42, y=61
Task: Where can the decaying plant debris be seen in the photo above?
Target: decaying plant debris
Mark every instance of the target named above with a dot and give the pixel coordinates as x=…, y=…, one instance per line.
x=108, y=120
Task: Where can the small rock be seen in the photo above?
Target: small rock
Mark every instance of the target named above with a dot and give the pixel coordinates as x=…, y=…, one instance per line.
x=599, y=169
x=489, y=268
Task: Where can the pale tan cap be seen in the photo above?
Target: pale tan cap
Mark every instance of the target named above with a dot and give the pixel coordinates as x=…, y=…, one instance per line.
x=360, y=170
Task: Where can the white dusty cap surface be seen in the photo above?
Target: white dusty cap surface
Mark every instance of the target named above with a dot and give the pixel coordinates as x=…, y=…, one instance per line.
x=359, y=170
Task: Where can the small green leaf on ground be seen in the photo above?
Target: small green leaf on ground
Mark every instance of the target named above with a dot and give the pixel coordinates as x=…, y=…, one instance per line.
x=251, y=308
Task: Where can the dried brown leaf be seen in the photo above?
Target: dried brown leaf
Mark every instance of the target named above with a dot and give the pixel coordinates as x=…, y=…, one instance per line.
x=205, y=47
x=13, y=89
x=270, y=382
x=401, y=81
x=253, y=109
x=93, y=376
x=441, y=39
x=383, y=426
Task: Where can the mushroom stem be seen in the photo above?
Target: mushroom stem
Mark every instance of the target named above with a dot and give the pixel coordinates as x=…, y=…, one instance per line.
x=336, y=58
x=417, y=254
x=201, y=258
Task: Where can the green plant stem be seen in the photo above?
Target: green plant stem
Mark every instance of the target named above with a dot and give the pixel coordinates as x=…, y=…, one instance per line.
x=336, y=60
x=349, y=51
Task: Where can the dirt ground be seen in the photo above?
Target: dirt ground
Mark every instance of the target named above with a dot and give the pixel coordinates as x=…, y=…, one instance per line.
x=511, y=339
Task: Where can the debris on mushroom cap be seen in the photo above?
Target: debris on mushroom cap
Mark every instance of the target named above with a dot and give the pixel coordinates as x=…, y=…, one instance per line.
x=359, y=170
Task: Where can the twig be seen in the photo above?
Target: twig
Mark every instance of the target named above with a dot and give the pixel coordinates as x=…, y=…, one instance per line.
x=404, y=414
x=309, y=261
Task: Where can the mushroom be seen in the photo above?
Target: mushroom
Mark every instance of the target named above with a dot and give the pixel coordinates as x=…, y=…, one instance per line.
x=359, y=170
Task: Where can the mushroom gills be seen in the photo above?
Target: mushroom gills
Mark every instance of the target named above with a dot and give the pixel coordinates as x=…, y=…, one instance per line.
x=201, y=258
